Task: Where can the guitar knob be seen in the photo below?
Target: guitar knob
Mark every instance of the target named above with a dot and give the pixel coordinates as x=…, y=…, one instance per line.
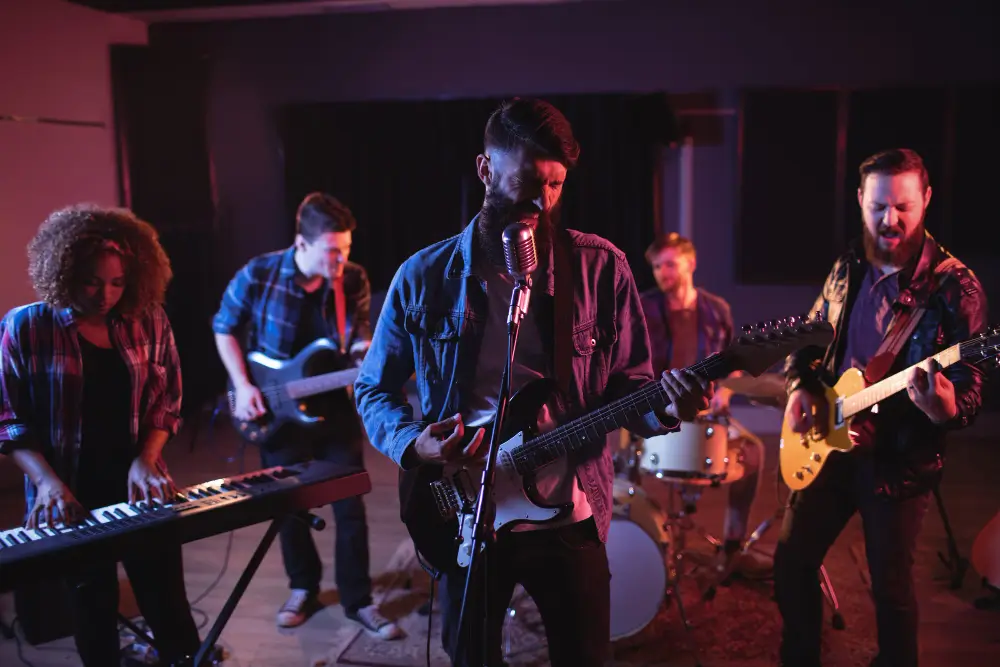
x=747, y=328
x=817, y=458
x=799, y=475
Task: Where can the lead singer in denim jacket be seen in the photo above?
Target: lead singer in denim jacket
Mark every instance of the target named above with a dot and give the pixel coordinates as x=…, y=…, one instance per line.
x=444, y=320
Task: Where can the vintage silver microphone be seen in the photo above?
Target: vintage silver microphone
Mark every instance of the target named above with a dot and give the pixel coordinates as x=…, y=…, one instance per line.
x=522, y=260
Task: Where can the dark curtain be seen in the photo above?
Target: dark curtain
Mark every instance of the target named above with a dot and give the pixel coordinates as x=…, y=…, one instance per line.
x=160, y=101
x=407, y=170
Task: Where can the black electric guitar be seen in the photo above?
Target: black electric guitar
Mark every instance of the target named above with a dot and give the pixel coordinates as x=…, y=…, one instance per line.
x=286, y=386
x=439, y=502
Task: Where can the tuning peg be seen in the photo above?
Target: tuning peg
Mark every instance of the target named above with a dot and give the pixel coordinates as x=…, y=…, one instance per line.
x=747, y=328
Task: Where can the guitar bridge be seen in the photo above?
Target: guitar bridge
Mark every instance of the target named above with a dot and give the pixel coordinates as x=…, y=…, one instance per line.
x=452, y=494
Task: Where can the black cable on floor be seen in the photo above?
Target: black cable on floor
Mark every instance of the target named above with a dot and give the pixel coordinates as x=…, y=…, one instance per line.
x=229, y=544
x=435, y=576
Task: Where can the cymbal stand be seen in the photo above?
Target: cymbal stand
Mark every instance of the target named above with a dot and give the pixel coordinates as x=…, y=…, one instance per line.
x=678, y=523
x=826, y=585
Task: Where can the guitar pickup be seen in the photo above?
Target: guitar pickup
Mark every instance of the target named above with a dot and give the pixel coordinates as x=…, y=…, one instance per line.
x=463, y=484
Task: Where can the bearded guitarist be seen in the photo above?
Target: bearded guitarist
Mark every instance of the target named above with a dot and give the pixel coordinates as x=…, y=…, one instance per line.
x=895, y=299
x=445, y=317
x=278, y=304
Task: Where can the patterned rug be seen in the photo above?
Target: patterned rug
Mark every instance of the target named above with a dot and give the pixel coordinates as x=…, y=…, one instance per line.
x=740, y=626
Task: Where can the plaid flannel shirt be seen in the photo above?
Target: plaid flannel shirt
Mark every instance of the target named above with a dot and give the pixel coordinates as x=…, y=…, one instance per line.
x=263, y=302
x=42, y=384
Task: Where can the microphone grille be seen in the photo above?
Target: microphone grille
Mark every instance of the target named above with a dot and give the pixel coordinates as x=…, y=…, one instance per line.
x=519, y=249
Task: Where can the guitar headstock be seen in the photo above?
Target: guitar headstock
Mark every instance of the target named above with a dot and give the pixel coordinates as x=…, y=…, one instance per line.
x=983, y=351
x=760, y=346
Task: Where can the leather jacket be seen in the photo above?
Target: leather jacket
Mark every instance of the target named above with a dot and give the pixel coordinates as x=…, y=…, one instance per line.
x=907, y=447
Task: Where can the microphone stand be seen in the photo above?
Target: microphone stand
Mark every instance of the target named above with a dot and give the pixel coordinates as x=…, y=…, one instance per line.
x=483, y=535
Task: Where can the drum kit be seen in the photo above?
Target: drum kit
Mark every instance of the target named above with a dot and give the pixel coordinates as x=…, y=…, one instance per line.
x=647, y=543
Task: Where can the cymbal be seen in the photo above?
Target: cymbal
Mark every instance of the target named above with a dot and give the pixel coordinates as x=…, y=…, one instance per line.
x=767, y=386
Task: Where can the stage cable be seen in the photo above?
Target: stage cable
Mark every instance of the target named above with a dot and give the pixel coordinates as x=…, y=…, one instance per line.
x=435, y=576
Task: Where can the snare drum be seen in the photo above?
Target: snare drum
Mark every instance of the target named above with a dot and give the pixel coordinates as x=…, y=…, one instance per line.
x=699, y=450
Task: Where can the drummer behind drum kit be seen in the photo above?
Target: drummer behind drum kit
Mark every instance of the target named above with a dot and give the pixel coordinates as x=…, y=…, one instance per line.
x=646, y=543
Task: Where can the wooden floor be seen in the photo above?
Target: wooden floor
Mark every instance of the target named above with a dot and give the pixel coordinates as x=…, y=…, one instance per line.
x=971, y=492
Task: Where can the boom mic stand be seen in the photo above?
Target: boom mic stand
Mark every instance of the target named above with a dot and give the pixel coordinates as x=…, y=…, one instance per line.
x=483, y=535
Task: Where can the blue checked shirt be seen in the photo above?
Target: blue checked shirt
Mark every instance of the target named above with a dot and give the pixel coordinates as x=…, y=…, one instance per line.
x=263, y=303
x=42, y=384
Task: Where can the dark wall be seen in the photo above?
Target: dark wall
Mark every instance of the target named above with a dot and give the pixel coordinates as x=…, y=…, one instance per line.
x=640, y=46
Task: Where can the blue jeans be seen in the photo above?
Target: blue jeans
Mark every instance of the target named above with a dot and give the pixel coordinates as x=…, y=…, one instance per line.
x=298, y=550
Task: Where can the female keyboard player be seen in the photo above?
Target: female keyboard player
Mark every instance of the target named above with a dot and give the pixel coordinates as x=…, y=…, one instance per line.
x=91, y=392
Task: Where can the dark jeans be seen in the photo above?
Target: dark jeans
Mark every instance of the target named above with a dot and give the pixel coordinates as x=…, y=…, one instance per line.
x=157, y=580
x=298, y=550
x=565, y=571
x=815, y=518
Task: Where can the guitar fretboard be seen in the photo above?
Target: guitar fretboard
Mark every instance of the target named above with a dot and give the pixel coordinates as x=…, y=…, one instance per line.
x=318, y=384
x=593, y=427
x=883, y=389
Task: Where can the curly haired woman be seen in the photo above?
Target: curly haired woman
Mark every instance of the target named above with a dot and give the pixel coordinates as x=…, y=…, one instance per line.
x=91, y=392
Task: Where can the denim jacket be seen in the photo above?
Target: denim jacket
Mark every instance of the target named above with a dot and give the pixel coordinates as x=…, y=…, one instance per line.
x=432, y=326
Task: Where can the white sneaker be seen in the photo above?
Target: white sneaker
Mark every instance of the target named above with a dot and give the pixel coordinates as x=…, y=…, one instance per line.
x=375, y=623
x=297, y=608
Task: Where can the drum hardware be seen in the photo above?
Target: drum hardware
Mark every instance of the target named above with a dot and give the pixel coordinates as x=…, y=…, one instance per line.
x=956, y=564
x=766, y=390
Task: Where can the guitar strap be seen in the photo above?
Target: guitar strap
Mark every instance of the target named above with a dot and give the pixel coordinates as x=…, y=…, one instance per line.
x=900, y=327
x=562, y=325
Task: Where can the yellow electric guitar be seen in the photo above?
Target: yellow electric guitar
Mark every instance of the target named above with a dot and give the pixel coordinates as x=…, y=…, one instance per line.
x=803, y=455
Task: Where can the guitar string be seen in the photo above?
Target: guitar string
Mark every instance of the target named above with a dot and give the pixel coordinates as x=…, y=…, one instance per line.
x=527, y=451
x=275, y=390
x=851, y=402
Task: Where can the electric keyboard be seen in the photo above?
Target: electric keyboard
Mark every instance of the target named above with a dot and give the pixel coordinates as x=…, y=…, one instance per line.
x=197, y=512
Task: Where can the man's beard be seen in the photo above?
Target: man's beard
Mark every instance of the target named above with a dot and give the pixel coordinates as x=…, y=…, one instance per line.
x=498, y=212
x=908, y=248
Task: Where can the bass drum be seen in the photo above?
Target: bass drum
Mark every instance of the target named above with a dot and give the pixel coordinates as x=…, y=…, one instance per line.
x=638, y=577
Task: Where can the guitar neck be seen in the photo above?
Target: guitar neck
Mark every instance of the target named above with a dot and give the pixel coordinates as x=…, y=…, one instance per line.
x=893, y=384
x=594, y=426
x=320, y=384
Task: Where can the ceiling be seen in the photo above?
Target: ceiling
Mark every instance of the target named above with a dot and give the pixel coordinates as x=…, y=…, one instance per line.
x=155, y=11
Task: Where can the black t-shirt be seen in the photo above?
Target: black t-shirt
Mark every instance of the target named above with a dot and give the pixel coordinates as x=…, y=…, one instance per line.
x=337, y=406
x=106, y=448
x=312, y=324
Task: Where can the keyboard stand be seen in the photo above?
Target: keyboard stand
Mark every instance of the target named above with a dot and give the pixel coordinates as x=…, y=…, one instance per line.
x=208, y=645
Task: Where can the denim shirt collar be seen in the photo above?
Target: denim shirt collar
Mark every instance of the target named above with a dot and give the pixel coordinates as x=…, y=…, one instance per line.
x=462, y=263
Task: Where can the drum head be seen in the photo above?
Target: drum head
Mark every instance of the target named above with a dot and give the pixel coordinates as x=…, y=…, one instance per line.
x=638, y=578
